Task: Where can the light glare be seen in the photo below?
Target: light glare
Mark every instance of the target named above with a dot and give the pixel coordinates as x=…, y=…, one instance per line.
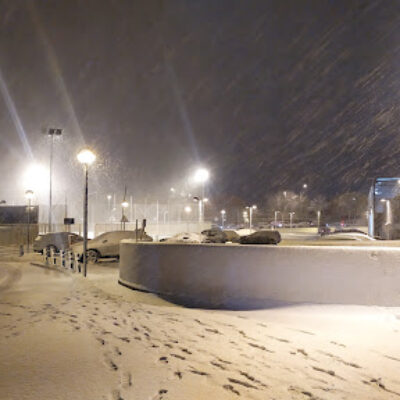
x=201, y=175
x=29, y=194
x=86, y=156
x=36, y=178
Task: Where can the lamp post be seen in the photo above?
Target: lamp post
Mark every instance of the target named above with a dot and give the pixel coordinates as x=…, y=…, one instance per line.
x=251, y=209
x=276, y=218
x=291, y=219
x=201, y=176
x=318, y=219
x=124, y=205
x=52, y=132
x=109, y=197
x=187, y=210
x=29, y=197
x=86, y=157
x=303, y=191
x=223, y=213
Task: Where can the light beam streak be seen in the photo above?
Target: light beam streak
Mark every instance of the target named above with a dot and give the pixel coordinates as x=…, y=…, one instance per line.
x=15, y=117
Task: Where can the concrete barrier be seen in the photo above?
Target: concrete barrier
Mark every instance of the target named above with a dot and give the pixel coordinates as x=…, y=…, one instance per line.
x=237, y=276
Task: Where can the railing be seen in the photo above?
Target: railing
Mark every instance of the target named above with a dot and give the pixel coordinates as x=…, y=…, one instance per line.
x=64, y=259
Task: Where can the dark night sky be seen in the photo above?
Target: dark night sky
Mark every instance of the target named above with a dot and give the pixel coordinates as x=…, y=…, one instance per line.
x=267, y=94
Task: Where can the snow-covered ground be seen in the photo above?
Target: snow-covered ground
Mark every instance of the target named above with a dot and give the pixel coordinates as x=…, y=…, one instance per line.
x=66, y=337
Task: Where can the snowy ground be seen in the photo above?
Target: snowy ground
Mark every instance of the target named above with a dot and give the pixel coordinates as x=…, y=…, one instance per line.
x=66, y=337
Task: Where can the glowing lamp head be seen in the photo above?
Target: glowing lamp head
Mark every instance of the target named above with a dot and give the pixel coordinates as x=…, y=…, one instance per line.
x=188, y=209
x=29, y=194
x=125, y=204
x=305, y=186
x=223, y=212
x=109, y=197
x=86, y=157
x=35, y=177
x=201, y=175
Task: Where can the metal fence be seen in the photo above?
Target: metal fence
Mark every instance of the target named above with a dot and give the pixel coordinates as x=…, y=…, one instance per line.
x=63, y=259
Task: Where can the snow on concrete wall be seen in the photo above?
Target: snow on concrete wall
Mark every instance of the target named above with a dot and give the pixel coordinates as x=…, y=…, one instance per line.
x=250, y=276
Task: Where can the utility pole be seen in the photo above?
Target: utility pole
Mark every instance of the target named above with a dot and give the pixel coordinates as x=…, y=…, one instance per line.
x=29, y=196
x=52, y=132
x=86, y=158
x=251, y=209
x=291, y=219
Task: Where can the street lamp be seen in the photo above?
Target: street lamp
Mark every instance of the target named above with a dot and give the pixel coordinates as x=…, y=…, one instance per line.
x=187, y=210
x=251, y=209
x=245, y=216
x=52, y=132
x=29, y=197
x=223, y=213
x=302, y=193
x=109, y=197
x=124, y=205
x=276, y=218
x=86, y=157
x=201, y=176
x=291, y=219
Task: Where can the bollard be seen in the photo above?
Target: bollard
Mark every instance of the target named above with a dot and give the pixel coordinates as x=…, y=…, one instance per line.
x=73, y=264
x=46, y=252
x=53, y=256
x=21, y=250
x=77, y=263
x=70, y=260
x=62, y=258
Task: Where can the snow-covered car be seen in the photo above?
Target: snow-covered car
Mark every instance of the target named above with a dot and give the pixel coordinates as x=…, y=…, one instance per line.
x=245, y=231
x=106, y=245
x=186, y=237
x=55, y=241
x=360, y=236
x=215, y=235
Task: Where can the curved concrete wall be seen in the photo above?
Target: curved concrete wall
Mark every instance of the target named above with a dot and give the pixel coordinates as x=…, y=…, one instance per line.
x=250, y=276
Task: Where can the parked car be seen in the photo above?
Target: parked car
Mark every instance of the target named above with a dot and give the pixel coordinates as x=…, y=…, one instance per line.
x=107, y=244
x=214, y=235
x=347, y=235
x=56, y=241
x=186, y=237
x=261, y=237
x=231, y=236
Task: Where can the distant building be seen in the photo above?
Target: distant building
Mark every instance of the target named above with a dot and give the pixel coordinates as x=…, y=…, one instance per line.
x=15, y=221
x=12, y=215
x=384, y=208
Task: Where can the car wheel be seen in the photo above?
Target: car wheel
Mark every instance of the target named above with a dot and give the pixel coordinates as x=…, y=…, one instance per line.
x=92, y=256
